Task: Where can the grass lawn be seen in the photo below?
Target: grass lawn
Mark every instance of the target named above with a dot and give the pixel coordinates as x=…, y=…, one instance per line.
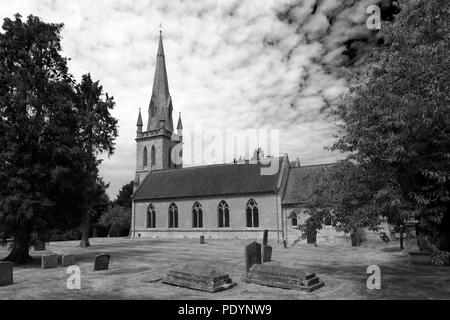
x=136, y=265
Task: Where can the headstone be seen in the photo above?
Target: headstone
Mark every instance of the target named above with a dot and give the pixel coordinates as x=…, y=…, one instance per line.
x=265, y=237
x=6, y=273
x=267, y=254
x=252, y=255
x=202, y=239
x=282, y=277
x=68, y=260
x=102, y=262
x=201, y=278
x=285, y=244
x=49, y=261
x=39, y=246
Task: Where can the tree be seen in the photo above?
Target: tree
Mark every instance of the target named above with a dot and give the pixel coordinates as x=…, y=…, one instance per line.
x=124, y=196
x=96, y=135
x=50, y=133
x=38, y=129
x=394, y=123
x=118, y=219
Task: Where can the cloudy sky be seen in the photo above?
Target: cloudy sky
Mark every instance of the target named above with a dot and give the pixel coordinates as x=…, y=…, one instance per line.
x=231, y=64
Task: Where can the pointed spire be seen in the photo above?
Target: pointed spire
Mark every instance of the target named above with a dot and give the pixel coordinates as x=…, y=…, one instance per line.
x=180, y=124
x=160, y=101
x=139, y=121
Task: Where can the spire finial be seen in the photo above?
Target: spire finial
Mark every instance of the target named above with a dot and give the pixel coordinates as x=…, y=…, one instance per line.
x=160, y=28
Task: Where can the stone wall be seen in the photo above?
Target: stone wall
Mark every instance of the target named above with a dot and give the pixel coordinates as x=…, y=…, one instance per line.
x=268, y=205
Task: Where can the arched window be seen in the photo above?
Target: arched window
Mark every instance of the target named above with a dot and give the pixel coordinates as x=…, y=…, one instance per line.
x=153, y=156
x=223, y=214
x=145, y=158
x=294, y=221
x=151, y=217
x=169, y=158
x=197, y=215
x=252, y=214
x=173, y=216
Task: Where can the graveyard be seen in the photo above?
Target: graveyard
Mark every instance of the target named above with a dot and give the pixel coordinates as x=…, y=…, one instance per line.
x=137, y=269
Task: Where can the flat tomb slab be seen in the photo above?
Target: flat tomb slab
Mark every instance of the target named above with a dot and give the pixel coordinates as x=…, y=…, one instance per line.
x=199, y=278
x=283, y=277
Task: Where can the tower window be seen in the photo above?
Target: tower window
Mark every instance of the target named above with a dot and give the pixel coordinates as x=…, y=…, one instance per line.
x=153, y=156
x=169, y=160
x=173, y=216
x=151, y=217
x=223, y=213
x=197, y=215
x=252, y=214
x=145, y=158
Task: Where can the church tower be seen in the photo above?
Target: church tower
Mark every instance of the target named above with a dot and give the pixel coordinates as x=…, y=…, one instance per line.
x=156, y=145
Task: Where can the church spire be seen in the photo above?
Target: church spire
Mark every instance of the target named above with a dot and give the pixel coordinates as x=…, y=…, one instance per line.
x=160, y=104
x=139, y=123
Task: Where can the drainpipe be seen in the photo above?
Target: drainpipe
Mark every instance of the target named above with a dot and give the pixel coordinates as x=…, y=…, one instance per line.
x=278, y=223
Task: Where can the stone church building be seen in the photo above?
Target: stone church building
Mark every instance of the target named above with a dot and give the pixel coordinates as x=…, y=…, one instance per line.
x=217, y=201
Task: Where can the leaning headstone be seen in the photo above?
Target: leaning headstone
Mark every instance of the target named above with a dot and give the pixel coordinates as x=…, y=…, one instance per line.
x=272, y=275
x=102, y=262
x=202, y=239
x=252, y=255
x=49, y=261
x=68, y=260
x=203, y=278
x=267, y=254
x=39, y=246
x=6, y=273
x=265, y=237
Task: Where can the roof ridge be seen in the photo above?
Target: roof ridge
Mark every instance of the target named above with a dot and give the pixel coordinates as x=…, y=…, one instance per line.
x=212, y=165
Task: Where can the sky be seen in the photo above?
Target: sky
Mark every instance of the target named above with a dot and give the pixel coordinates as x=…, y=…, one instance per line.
x=262, y=64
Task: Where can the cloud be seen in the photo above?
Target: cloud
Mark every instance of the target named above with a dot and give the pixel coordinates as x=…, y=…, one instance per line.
x=232, y=64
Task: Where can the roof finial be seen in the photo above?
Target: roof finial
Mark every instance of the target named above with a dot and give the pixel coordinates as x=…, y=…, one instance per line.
x=160, y=28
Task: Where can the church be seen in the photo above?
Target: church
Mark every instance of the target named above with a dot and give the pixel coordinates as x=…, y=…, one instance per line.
x=225, y=201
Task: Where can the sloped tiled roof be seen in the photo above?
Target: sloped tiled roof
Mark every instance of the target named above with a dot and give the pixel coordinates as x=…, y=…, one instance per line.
x=205, y=181
x=301, y=182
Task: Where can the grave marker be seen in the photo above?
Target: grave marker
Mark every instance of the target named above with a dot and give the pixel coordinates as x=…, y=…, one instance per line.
x=252, y=255
x=203, y=278
x=272, y=275
x=49, y=261
x=202, y=239
x=102, y=262
x=68, y=260
x=267, y=254
x=6, y=273
x=265, y=237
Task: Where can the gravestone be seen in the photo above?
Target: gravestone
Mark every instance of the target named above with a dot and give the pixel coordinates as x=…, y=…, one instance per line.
x=202, y=239
x=49, y=261
x=6, y=273
x=39, y=246
x=203, y=278
x=285, y=244
x=252, y=255
x=267, y=254
x=265, y=237
x=102, y=262
x=68, y=260
x=273, y=275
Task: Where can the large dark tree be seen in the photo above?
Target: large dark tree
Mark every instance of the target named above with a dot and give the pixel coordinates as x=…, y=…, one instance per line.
x=395, y=122
x=48, y=170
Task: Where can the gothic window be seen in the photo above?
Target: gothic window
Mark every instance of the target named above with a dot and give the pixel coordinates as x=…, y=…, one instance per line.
x=151, y=217
x=294, y=221
x=197, y=216
x=145, y=158
x=252, y=214
x=153, y=156
x=223, y=213
x=170, y=157
x=173, y=216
